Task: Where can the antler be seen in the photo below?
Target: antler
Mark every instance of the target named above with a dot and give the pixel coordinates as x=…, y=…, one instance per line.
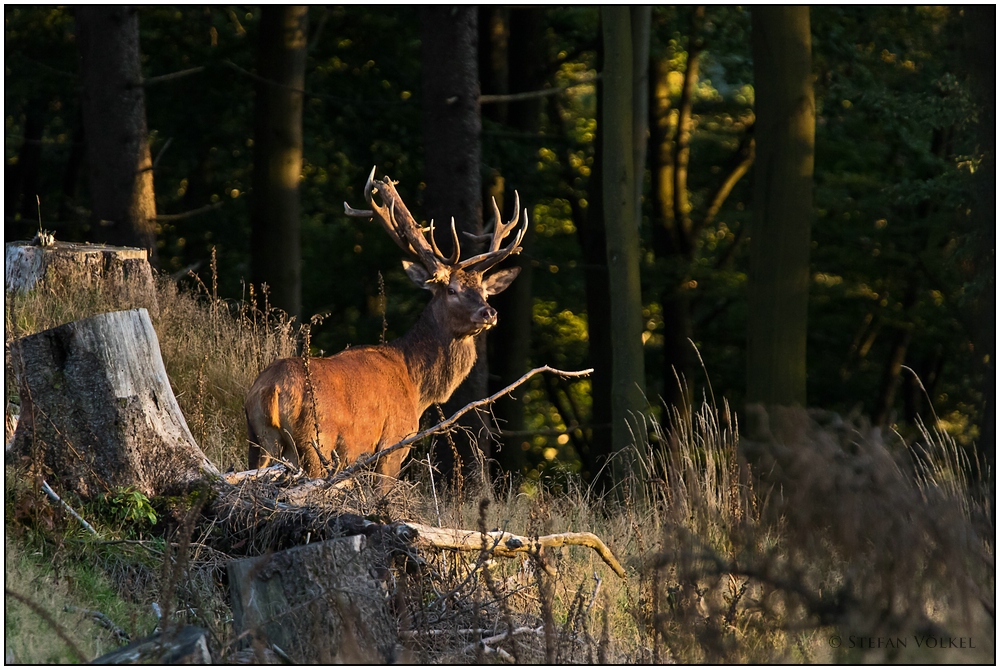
x=404, y=230
x=485, y=261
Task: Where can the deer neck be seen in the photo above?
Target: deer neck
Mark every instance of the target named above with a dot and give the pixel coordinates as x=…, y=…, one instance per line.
x=437, y=362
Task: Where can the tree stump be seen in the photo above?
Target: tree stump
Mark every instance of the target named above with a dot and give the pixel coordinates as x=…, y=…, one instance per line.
x=318, y=603
x=97, y=410
x=122, y=274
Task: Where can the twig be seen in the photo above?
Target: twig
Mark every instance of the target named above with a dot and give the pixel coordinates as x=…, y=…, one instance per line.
x=40, y=611
x=430, y=468
x=103, y=620
x=52, y=494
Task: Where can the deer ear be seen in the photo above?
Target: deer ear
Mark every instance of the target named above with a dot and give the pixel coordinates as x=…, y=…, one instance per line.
x=418, y=274
x=500, y=280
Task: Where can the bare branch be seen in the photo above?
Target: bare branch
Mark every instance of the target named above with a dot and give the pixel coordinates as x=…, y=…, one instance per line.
x=508, y=544
x=531, y=95
x=52, y=494
x=745, y=157
x=189, y=213
x=103, y=620
x=172, y=76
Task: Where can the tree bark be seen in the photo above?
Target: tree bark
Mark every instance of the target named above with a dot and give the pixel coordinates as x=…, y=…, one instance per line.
x=628, y=375
x=451, y=126
x=779, y=241
x=275, y=247
x=97, y=411
x=119, y=166
x=316, y=602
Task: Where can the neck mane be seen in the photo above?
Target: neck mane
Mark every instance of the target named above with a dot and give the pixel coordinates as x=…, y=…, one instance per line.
x=437, y=362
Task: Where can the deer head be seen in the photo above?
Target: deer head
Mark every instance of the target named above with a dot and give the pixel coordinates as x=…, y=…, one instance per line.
x=460, y=289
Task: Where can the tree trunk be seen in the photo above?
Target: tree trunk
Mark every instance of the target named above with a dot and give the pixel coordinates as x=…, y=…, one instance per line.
x=120, y=274
x=114, y=119
x=593, y=242
x=641, y=17
x=318, y=602
x=510, y=341
x=451, y=126
x=22, y=178
x=97, y=411
x=628, y=400
x=275, y=248
x=494, y=72
x=779, y=242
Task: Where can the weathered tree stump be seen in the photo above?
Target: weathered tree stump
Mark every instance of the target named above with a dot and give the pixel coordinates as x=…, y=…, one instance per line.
x=318, y=603
x=121, y=274
x=97, y=409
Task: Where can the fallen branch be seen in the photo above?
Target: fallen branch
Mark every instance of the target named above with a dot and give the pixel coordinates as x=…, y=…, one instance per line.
x=485, y=643
x=508, y=544
x=103, y=620
x=52, y=494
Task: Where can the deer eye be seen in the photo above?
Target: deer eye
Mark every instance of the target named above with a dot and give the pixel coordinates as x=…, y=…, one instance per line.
x=451, y=291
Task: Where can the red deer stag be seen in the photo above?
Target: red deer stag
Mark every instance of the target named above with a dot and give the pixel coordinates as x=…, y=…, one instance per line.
x=368, y=398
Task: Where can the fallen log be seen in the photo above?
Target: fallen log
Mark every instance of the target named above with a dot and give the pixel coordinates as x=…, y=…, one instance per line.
x=97, y=410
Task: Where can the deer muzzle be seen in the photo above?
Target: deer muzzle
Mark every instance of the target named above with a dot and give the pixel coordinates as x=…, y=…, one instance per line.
x=487, y=317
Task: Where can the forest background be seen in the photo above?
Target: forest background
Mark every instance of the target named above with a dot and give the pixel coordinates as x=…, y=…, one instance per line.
x=901, y=262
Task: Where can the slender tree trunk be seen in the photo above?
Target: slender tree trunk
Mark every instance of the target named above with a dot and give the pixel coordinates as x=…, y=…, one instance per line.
x=779, y=242
x=510, y=341
x=641, y=17
x=275, y=226
x=628, y=376
x=119, y=166
x=901, y=336
x=591, y=233
x=494, y=71
x=451, y=123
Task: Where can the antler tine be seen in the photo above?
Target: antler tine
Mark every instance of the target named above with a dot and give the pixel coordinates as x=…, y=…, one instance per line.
x=485, y=261
x=456, y=251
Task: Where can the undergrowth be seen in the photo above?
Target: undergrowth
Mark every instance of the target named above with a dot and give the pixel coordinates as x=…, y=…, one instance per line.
x=786, y=543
